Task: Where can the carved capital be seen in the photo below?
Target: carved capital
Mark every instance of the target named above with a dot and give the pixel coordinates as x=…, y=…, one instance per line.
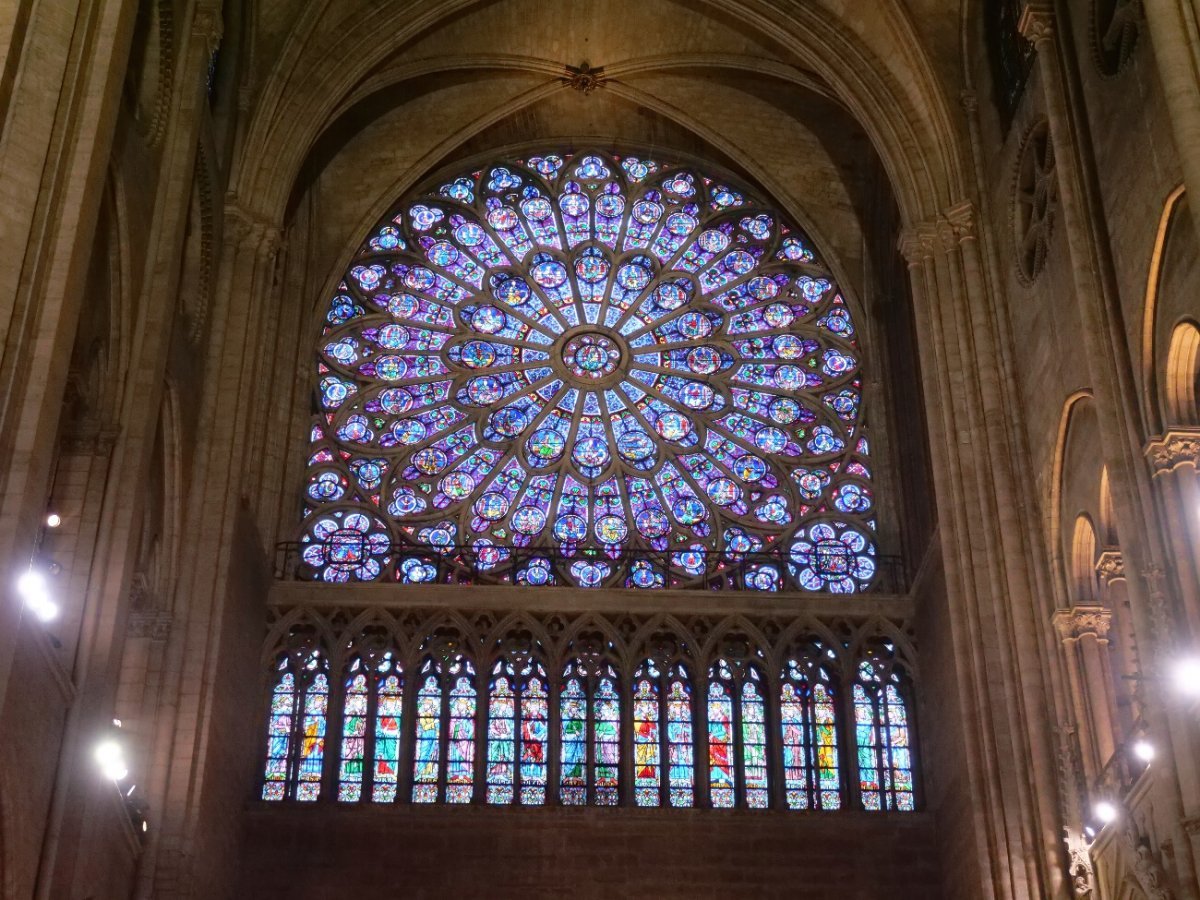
x=961, y=218
x=1174, y=450
x=1110, y=566
x=208, y=26
x=912, y=247
x=1078, y=621
x=1037, y=22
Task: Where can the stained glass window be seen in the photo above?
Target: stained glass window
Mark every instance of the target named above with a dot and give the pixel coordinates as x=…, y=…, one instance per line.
x=885, y=773
x=590, y=734
x=518, y=730
x=808, y=723
x=590, y=370
x=296, y=729
x=444, y=748
x=662, y=730
x=737, y=737
x=371, y=730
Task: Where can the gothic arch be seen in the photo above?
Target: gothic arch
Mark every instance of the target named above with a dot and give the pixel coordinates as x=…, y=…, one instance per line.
x=905, y=112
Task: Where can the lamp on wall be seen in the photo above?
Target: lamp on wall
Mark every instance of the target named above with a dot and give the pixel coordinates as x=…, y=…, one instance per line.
x=1186, y=676
x=35, y=592
x=1104, y=811
x=110, y=757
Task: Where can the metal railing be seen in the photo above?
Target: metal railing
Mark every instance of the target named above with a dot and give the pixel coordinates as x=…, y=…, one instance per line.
x=714, y=570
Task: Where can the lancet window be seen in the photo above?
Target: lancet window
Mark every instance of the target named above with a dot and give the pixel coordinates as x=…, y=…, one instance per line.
x=663, y=735
x=296, y=728
x=737, y=736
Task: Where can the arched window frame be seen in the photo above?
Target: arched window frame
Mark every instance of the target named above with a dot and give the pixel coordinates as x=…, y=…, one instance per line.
x=444, y=732
x=296, y=727
x=372, y=726
x=663, y=710
x=518, y=733
x=595, y=682
x=883, y=716
x=811, y=748
x=744, y=686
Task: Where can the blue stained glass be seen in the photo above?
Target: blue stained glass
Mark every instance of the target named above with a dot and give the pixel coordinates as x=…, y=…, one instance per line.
x=660, y=362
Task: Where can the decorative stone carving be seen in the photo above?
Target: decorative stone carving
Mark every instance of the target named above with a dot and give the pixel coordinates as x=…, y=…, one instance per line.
x=1037, y=22
x=1173, y=450
x=1110, y=566
x=584, y=78
x=1077, y=621
x=1035, y=201
x=1115, y=29
x=1146, y=868
x=1080, y=871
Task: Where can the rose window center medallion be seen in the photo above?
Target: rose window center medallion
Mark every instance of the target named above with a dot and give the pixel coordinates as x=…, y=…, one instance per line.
x=591, y=357
x=595, y=371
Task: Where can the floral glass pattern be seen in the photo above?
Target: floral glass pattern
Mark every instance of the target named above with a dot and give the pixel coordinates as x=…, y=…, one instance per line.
x=538, y=369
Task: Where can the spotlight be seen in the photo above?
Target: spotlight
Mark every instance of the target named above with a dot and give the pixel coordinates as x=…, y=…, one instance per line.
x=1186, y=675
x=1143, y=750
x=36, y=594
x=1089, y=832
x=1104, y=812
x=111, y=760
x=53, y=520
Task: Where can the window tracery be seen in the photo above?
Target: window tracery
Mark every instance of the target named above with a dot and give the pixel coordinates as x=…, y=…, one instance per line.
x=663, y=738
x=590, y=710
x=885, y=773
x=764, y=729
x=373, y=694
x=590, y=370
x=296, y=729
x=809, y=724
x=1035, y=201
x=737, y=735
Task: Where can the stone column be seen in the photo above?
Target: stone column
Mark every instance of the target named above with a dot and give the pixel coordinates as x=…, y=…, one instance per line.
x=1173, y=459
x=58, y=118
x=1084, y=634
x=1173, y=32
x=1110, y=369
x=1001, y=656
x=230, y=400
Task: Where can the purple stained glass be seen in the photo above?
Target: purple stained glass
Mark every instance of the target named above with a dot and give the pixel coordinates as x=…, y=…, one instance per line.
x=602, y=323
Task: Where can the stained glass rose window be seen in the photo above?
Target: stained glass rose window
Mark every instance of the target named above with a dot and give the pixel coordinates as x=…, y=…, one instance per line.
x=589, y=370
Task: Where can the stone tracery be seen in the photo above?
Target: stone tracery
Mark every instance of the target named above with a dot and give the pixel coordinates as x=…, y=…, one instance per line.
x=590, y=370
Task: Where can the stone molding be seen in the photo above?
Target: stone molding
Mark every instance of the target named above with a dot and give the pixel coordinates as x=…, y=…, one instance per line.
x=1174, y=450
x=945, y=233
x=1110, y=566
x=1074, y=623
x=1037, y=22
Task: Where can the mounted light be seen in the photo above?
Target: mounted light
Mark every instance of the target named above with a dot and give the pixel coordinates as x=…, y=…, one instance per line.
x=1186, y=675
x=36, y=593
x=53, y=520
x=1143, y=750
x=110, y=757
x=1104, y=812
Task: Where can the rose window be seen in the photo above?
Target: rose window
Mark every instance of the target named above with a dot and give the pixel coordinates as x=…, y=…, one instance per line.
x=590, y=371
